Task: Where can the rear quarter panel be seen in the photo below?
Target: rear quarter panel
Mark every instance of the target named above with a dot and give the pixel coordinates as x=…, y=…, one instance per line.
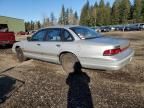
x=72, y=47
x=90, y=50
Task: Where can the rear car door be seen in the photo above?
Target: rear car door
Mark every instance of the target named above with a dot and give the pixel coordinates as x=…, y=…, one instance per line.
x=52, y=44
x=69, y=43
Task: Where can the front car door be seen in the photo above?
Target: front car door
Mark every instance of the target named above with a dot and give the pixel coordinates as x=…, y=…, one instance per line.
x=32, y=48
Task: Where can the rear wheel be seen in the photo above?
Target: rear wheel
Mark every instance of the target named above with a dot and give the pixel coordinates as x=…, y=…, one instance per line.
x=68, y=62
x=20, y=55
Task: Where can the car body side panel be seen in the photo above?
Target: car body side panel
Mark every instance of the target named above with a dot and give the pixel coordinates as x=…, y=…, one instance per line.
x=89, y=52
x=31, y=49
x=50, y=51
x=46, y=51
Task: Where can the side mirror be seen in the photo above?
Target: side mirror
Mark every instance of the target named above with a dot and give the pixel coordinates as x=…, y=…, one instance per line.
x=28, y=38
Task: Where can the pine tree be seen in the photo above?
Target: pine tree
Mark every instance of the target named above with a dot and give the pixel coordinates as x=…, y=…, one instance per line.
x=46, y=21
x=107, y=15
x=76, y=18
x=67, y=16
x=71, y=17
x=124, y=8
x=96, y=4
x=95, y=12
x=62, y=16
x=115, y=12
x=137, y=10
x=84, y=17
x=142, y=11
x=28, y=26
x=92, y=16
x=38, y=24
x=101, y=13
x=32, y=25
x=76, y=15
x=52, y=18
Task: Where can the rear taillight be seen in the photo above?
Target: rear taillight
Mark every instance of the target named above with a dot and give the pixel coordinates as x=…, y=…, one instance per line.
x=115, y=51
x=111, y=52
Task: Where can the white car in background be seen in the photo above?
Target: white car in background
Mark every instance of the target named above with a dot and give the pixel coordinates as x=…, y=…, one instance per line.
x=68, y=45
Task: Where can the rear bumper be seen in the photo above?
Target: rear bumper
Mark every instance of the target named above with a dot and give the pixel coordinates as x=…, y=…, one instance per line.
x=108, y=64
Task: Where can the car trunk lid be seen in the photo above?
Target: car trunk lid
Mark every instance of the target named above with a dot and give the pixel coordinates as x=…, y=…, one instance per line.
x=111, y=46
x=116, y=42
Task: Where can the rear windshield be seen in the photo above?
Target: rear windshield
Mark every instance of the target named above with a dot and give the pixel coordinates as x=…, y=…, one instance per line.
x=85, y=32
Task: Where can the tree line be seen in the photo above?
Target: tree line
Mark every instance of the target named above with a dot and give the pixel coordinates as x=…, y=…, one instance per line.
x=67, y=17
x=97, y=14
x=121, y=12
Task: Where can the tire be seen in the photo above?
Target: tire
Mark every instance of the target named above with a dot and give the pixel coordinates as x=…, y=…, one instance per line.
x=68, y=62
x=20, y=55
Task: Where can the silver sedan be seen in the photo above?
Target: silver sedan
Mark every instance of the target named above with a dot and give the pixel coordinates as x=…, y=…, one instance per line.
x=68, y=45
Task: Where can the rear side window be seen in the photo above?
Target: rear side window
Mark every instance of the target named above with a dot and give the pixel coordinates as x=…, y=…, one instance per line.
x=39, y=36
x=67, y=36
x=53, y=35
x=85, y=32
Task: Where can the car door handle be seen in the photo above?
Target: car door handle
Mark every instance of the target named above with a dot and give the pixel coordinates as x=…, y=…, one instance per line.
x=38, y=44
x=58, y=45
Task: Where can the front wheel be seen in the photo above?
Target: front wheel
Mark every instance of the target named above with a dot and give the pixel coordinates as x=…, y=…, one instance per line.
x=20, y=55
x=68, y=62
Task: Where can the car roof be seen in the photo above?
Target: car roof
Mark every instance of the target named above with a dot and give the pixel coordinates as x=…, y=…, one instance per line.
x=62, y=26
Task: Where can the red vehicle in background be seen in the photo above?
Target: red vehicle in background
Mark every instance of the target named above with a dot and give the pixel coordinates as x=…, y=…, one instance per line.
x=7, y=38
x=22, y=33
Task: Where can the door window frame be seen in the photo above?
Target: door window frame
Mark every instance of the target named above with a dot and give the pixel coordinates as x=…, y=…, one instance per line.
x=63, y=39
x=53, y=40
x=36, y=34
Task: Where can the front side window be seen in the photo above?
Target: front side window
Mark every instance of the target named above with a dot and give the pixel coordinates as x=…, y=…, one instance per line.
x=53, y=35
x=39, y=36
x=85, y=32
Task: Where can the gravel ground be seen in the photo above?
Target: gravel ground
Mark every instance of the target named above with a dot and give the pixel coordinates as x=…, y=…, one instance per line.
x=47, y=85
